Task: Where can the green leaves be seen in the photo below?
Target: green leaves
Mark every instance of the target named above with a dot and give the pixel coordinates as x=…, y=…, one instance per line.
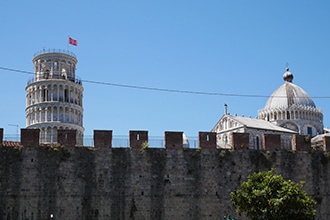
x=266, y=195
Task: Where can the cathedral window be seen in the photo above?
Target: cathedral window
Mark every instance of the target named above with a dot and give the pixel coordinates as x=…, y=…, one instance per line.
x=310, y=131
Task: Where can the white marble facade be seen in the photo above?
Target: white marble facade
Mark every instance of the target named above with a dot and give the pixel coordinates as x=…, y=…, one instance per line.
x=54, y=97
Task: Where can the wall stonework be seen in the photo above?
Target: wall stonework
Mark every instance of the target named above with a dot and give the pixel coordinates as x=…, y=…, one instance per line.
x=127, y=183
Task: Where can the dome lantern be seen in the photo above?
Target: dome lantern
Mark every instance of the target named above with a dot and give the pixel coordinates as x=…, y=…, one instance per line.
x=288, y=76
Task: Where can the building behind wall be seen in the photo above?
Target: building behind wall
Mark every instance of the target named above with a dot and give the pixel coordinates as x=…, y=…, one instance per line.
x=54, y=96
x=288, y=111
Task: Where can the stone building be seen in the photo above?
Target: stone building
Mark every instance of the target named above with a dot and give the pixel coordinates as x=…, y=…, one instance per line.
x=289, y=110
x=54, y=96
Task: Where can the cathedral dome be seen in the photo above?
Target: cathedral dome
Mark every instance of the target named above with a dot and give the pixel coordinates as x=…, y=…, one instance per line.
x=292, y=108
x=288, y=95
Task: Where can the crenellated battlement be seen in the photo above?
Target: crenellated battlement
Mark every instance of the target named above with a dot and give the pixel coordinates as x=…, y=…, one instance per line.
x=172, y=140
x=104, y=182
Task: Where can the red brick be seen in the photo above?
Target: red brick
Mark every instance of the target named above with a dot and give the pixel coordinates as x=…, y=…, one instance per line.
x=271, y=142
x=137, y=138
x=300, y=142
x=103, y=138
x=173, y=140
x=207, y=140
x=30, y=137
x=240, y=140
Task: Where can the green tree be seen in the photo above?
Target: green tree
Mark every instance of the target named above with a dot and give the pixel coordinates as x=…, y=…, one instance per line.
x=266, y=195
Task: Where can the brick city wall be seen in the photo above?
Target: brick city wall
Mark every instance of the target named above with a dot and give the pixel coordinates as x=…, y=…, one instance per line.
x=101, y=182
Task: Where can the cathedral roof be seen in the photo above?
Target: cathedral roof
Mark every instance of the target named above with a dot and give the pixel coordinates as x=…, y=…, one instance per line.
x=259, y=124
x=288, y=95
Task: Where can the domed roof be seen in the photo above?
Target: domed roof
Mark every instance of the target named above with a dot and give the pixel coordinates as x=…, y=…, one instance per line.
x=288, y=95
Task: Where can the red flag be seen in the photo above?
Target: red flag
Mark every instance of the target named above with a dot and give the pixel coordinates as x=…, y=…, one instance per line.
x=73, y=41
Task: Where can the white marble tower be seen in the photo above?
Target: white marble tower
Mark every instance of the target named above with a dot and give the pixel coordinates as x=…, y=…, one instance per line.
x=54, y=96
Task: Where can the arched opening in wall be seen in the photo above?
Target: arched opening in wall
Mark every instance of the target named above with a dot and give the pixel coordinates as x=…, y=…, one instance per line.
x=55, y=70
x=44, y=94
x=71, y=115
x=66, y=95
x=75, y=96
x=33, y=115
x=49, y=114
x=288, y=115
x=46, y=74
x=71, y=94
x=49, y=135
x=43, y=114
x=42, y=136
x=54, y=93
x=310, y=131
x=275, y=116
x=257, y=143
x=55, y=114
x=60, y=93
x=54, y=135
x=67, y=113
x=61, y=113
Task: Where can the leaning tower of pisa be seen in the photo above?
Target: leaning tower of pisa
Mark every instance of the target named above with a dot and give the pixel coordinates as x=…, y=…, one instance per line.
x=54, y=96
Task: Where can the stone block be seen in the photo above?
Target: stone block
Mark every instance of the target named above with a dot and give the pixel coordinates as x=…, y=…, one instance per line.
x=173, y=140
x=30, y=137
x=240, y=140
x=67, y=137
x=137, y=138
x=103, y=138
x=271, y=142
x=207, y=140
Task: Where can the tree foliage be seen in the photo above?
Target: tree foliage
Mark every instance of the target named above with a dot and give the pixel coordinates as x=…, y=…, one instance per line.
x=266, y=195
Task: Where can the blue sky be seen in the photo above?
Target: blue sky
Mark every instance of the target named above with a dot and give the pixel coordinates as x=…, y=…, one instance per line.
x=229, y=47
